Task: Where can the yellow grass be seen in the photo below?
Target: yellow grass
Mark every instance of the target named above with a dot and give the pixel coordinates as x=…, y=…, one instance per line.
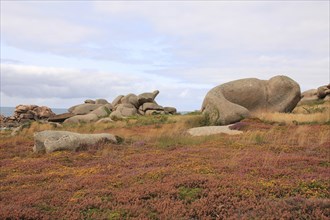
x=294, y=118
x=301, y=114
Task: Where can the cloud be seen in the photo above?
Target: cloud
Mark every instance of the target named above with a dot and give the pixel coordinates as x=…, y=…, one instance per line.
x=27, y=26
x=247, y=25
x=51, y=84
x=38, y=26
x=101, y=49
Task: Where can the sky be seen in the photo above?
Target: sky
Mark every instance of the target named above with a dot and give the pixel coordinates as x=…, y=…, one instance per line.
x=59, y=53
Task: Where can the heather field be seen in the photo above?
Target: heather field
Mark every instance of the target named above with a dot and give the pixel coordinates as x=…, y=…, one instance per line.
x=279, y=168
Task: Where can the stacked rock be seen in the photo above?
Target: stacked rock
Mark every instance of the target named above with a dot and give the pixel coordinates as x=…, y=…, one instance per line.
x=321, y=93
x=121, y=107
x=90, y=111
x=143, y=104
x=31, y=112
x=25, y=113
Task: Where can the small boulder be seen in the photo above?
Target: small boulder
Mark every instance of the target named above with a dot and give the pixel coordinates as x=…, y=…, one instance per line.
x=49, y=141
x=89, y=101
x=24, y=108
x=151, y=106
x=154, y=112
x=170, y=110
x=323, y=91
x=212, y=130
x=28, y=115
x=60, y=117
x=116, y=115
x=147, y=97
x=101, y=101
x=43, y=112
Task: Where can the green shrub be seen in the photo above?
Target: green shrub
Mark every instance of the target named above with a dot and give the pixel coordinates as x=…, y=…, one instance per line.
x=199, y=121
x=189, y=194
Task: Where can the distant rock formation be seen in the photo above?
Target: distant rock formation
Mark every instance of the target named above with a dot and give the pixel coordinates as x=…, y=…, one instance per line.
x=235, y=100
x=121, y=107
x=25, y=113
x=321, y=93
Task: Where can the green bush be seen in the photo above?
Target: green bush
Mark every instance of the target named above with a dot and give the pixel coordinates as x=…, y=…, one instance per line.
x=189, y=194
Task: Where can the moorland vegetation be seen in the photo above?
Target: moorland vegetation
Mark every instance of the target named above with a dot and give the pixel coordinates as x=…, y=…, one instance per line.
x=279, y=168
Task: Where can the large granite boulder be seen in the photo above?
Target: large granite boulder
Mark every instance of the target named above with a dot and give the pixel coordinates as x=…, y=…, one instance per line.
x=233, y=101
x=49, y=141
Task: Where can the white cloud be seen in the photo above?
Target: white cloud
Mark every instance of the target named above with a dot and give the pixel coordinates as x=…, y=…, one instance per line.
x=221, y=24
x=182, y=48
x=63, y=87
x=29, y=27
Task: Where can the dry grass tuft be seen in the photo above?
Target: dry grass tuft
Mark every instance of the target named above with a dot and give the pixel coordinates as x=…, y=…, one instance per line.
x=319, y=113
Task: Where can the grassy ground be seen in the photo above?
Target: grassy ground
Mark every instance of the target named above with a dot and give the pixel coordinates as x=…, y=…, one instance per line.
x=277, y=169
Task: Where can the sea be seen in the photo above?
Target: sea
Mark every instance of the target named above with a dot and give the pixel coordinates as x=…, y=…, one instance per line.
x=9, y=111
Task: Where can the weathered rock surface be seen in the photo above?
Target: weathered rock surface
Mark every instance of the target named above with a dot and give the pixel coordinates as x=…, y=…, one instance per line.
x=211, y=130
x=170, y=110
x=321, y=93
x=117, y=100
x=101, y=101
x=85, y=108
x=154, y=112
x=123, y=110
x=49, y=141
x=130, y=99
x=102, y=111
x=89, y=101
x=233, y=101
x=121, y=107
x=60, y=117
x=82, y=119
x=151, y=106
x=147, y=97
x=143, y=104
x=26, y=113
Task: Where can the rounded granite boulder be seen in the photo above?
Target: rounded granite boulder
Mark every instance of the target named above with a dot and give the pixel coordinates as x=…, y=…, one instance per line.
x=235, y=100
